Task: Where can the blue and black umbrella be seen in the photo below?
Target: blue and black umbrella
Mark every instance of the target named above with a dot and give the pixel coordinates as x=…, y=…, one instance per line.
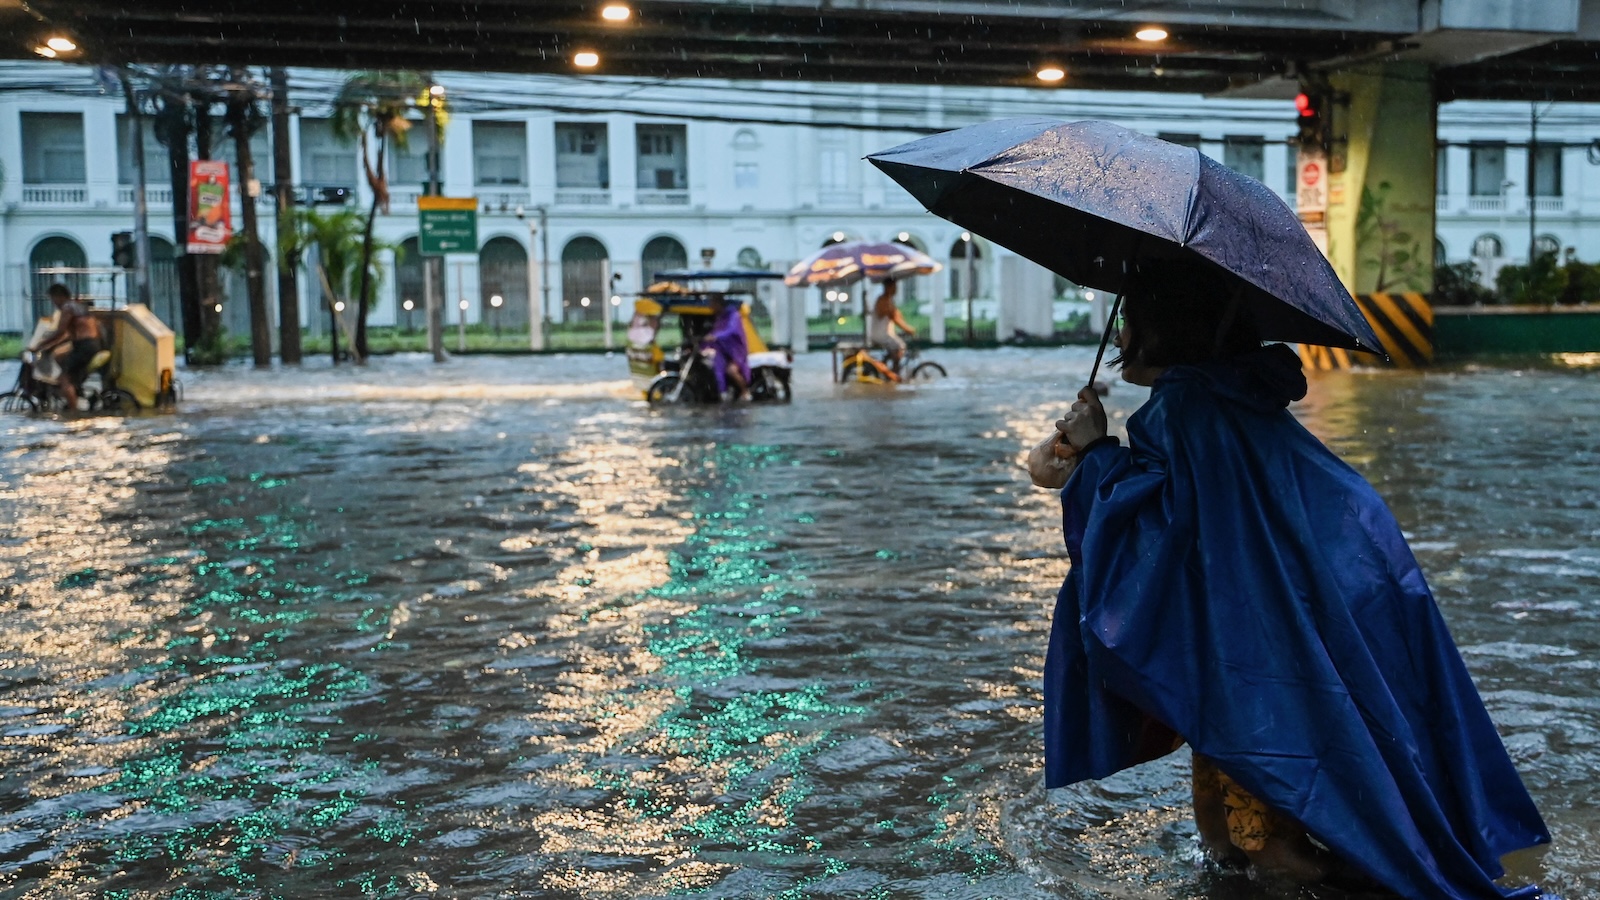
x=1092, y=200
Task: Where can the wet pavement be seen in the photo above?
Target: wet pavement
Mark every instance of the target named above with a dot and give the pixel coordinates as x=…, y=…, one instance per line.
x=498, y=629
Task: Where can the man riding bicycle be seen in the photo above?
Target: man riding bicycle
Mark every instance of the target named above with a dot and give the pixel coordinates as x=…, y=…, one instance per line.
x=882, y=323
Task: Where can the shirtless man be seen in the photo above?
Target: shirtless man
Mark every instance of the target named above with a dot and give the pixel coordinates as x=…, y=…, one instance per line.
x=881, y=327
x=76, y=331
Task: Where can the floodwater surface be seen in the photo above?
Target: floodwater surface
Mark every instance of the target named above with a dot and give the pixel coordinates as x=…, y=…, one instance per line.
x=498, y=629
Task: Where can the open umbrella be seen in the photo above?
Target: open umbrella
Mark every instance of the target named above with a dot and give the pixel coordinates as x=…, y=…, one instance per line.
x=852, y=260
x=1091, y=200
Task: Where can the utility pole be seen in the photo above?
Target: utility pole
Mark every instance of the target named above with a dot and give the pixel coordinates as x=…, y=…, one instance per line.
x=141, y=211
x=972, y=280
x=1533, y=187
x=241, y=100
x=283, y=198
x=536, y=277
x=211, y=350
x=435, y=264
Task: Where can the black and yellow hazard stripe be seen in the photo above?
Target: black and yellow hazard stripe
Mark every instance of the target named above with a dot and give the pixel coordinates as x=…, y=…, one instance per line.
x=1403, y=324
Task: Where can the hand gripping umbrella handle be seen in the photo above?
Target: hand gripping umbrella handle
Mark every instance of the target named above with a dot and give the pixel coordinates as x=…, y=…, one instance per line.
x=1111, y=322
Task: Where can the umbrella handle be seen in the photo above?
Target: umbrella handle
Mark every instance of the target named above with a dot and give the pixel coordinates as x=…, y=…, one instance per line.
x=1111, y=321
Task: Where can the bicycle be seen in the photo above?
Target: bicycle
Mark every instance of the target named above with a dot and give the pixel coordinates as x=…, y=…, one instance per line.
x=859, y=364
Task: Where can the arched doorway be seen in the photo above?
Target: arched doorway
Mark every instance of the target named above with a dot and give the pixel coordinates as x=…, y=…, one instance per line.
x=584, y=268
x=236, y=294
x=165, y=301
x=662, y=254
x=409, y=287
x=503, y=273
x=958, y=269
x=47, y=258
x=917, y=289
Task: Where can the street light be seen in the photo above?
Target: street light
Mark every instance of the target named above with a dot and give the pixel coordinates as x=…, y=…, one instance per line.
x=1151, y=34
x=1051, y=73
x=494, y=311
x=586, y=59
x=615, y=12
x=408, y=306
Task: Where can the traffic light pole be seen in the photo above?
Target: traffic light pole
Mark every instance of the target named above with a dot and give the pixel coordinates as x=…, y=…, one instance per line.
x=434, y=264
x=141, y=211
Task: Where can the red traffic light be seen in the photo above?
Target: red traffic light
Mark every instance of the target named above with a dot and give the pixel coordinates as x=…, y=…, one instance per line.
x=1303, y=103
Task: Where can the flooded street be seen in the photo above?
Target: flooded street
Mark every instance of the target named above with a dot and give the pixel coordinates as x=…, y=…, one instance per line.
x=498, y=629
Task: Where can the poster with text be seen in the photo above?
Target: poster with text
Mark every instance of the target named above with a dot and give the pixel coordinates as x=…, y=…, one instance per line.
x=209, y=224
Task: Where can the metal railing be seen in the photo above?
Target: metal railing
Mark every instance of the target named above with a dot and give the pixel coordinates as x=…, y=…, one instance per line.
x=153, y=196
x=55, y=194
x=501, y=201
x=661, y=198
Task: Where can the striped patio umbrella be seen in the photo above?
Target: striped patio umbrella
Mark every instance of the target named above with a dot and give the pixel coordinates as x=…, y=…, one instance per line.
x=853, y=260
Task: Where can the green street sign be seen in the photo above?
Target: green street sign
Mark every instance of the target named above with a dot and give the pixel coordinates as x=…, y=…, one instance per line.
x=448, y=225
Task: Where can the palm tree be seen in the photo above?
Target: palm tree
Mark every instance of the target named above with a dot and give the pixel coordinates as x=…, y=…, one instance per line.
x=372, y=107
x=343, y=243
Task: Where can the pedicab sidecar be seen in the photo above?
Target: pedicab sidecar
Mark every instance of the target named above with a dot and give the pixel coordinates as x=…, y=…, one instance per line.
x=683, y=373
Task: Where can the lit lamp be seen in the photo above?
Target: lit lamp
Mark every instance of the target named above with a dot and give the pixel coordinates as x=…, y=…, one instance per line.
x=616, y=12
x=586, y=59
x=1050, y=74
x=408, y=306
x=494, y=311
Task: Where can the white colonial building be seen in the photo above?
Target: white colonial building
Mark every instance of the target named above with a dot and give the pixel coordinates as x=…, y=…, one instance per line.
x=585, y=186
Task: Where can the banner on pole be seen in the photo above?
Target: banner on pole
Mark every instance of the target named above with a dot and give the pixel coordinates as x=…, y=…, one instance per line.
x=209, y=222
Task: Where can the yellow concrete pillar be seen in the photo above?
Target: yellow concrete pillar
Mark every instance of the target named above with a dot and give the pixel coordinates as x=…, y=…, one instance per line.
x=1380, y=182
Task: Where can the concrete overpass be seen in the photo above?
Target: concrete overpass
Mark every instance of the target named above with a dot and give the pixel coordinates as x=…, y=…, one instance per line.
x=1477, y=48
x=1366, y=61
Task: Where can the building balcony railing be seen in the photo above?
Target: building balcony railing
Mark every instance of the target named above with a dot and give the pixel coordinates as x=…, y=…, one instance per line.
x=1495, y=203
x=662, y=198
x=496, y=200
x=839, y=197
x=55, y=194
x=1549, y=204
x=403, y=196
x=583, y=196
x=153, y=196
x=1442, y=203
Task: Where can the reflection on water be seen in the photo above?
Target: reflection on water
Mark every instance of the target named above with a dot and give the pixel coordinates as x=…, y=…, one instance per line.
x=497, y=628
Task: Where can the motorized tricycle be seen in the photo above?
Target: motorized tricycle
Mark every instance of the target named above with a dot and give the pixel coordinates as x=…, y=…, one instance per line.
x=687, y=374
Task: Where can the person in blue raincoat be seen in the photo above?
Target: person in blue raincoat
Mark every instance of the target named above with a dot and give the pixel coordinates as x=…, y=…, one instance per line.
x=1236, y=586
x=727, y=338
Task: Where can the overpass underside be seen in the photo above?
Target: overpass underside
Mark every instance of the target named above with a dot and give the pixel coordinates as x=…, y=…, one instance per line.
x=1478, y=48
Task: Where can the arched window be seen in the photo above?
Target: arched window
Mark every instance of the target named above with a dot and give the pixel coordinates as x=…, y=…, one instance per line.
x=165, y=300
x=46, y=265
x=838, y=237
x=958, y=268
x=409, y=286
x=584, y=263
x=1488, y=246
x=662, y=254
x=1546, y=243
x=503, y=273
x=750, y=258
x=745, y=139
x=236, y=294
x=912, y=290
x=1440, y=256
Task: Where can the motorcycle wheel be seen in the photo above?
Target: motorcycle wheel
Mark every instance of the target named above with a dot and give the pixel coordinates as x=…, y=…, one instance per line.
x=663, y=388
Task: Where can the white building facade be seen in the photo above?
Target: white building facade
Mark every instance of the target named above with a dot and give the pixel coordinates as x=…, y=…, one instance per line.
x=587, y=186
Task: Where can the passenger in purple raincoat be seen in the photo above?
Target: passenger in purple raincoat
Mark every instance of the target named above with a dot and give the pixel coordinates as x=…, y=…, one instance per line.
x=732, y=363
